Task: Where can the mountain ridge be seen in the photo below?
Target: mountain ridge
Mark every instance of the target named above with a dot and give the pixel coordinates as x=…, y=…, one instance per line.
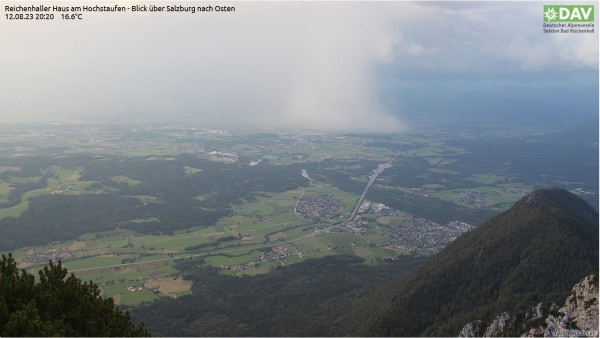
x=578, y=316
x=535, y=251
x=558, y=197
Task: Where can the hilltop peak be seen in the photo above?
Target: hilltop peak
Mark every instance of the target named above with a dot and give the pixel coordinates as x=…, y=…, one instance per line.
x=560, y=198
x=533, y=252
x=551, y=196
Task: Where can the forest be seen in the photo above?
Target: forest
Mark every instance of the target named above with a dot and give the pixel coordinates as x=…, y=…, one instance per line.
x=57, y=304
x=534, y=252
x=303, y=299
x=109, y=203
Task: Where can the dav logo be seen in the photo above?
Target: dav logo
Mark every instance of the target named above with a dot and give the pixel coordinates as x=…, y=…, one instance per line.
x=568, y=13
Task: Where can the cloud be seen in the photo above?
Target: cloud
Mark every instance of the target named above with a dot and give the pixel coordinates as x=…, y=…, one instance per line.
x=274, y=64
x=333, y=84
x=486, y=40
x=284, y=64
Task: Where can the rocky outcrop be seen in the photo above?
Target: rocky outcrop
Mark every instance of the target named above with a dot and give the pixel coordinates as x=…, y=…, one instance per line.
x=581, y=306
x=499, y=325
x=578, y=317
x=472, y=329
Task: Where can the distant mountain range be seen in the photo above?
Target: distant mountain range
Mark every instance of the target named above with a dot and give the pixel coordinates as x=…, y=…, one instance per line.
x=534, y=252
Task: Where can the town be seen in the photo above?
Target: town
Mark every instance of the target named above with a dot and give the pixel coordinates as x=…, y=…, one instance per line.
x=415, y=235
x=43, y=255
x=320, y=207
x=420, y=236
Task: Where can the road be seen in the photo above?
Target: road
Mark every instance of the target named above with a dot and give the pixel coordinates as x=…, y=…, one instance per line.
x=372, y=178
x=379, y=170
x=211, y=253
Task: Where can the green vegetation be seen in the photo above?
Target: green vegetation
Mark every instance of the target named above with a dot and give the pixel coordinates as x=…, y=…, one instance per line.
x=536, y=251
x=191, y=170
x=486, y=178
x=57, y=305
x=122, y=179
x=123, y=296
x=147, y=204
x=47, y=210
x=300, y=300
x=4, y=191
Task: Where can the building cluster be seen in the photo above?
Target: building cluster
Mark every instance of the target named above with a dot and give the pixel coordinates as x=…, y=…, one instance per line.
x=145, y=279
x=413, y=234
x=141, y=287
x=516, y=191
x=43, y=255
x=68, y=186
x=412, y=191
x=359, y=223
x=135, y=288
x=418, y=235
x=381, y=167
x=372, y=208
x=320, y=207
x=264, y=218
x=474, y=198
x=276, y=254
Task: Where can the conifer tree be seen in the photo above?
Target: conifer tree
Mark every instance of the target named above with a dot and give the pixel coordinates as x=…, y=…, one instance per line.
x=57, y=305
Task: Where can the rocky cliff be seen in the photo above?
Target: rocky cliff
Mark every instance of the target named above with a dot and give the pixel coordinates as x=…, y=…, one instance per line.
x=577, y=317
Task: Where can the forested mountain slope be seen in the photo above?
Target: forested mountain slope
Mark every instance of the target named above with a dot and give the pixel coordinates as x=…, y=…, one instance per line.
x=535, y=251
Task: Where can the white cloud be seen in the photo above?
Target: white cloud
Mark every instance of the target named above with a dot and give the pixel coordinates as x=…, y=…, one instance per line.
x=308, y=64
x=486, y=40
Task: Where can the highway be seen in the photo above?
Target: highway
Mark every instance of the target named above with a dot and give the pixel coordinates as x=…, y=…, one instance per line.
x=372, y=178
x=379, y=170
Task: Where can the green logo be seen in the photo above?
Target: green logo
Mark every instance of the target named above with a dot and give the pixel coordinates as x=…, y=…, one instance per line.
x=568, y=13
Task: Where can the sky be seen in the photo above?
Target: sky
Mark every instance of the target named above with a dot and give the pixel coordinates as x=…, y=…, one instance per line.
x=344, y=65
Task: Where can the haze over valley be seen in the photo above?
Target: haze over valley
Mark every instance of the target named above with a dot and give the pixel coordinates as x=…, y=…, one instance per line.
x=300, y=169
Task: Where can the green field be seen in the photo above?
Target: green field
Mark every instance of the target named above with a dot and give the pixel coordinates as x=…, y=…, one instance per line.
x=219, y=260
x=487, y=178
x=125, y=180
x=122, y=296
x=147, y=199
x=495, y=196
x=191, y=170
x=132, y=256
x=104, y=260
x=264, y=220
x=59, y=180
x=311, y=244
x=5, y=189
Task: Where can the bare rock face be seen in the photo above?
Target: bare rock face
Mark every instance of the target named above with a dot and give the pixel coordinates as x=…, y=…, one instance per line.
x=536, y=318
x=499, y=326
x=582, y=304
x=580, y=311
x=578, y=317
x=472, y=329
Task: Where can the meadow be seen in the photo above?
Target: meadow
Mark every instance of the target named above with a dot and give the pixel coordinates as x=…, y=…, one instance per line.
x=185, y=203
